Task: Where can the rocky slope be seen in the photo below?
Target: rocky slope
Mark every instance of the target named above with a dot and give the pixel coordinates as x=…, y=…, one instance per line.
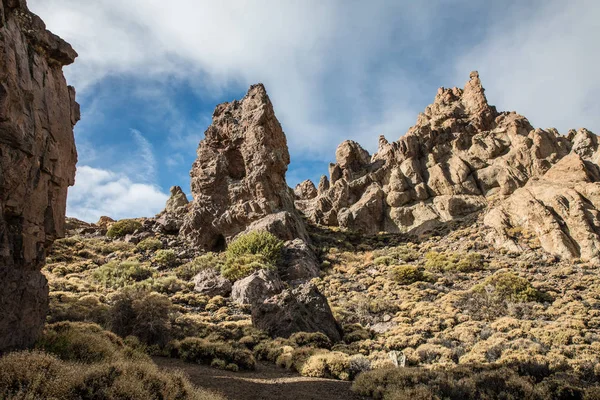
x=464, y=158
x=37, y=164
x=238, y=178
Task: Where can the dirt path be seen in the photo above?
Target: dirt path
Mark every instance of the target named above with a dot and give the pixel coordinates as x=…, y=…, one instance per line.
x=266, y=383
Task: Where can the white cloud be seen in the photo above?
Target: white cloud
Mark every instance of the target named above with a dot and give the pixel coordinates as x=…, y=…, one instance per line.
x=543, y=63
x=299, y=49
x=100, y=192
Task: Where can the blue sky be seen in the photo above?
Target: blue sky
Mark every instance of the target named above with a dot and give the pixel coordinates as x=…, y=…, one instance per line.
x=150, y=73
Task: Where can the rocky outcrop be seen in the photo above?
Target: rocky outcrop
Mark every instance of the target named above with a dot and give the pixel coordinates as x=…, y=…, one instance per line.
x=462, y=159
x=305, y=190
x=170, y=220
x=561, y=208
x=257, y=287
x=238, y=178
x=37, y=164
x=303, y=309
x=212, y=283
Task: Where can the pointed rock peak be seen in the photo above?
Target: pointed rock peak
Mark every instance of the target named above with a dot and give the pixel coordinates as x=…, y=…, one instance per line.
x=177, y=200
x=351, y=155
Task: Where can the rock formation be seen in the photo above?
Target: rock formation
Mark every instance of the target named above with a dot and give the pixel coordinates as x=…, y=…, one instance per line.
x=464, y=158
x=303, y=309
x=37, y=164
x=170, y=220
x=238, y=178
x=305, y=190
x=257, y=287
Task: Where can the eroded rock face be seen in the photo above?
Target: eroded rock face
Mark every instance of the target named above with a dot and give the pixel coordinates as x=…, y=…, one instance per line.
x=37, y=165
x=303, y=309
x=461, y=159
x=211, y=283
x=257, y=287
x=239, y=176
x=305, y=190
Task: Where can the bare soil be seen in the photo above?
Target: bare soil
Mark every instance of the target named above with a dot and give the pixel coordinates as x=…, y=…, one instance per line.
x=267, y=382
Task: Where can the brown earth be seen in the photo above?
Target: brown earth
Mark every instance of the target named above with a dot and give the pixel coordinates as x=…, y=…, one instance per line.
x=268, y=382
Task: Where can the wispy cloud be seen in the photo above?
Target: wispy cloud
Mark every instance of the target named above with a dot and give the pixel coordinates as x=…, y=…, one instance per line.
x=144, y=164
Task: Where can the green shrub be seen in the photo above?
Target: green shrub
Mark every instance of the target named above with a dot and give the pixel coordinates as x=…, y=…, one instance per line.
x=458, y=262
x=119, y=274
x=190, y=270
x=35, y=375
x=149, y=244
x=122, y=228
x=260, y=243
x=312, y=339
x=142, y=314
x=165, y=258
x=244, y=265
x=407, y=274
x=511, y=287
x=202, y=351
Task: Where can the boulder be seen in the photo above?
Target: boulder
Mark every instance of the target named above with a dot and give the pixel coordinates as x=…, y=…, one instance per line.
x=303, y=309
x=37, y=165
x=299, y=262
x=211, y=283
x=239, y=175
x=257, y=287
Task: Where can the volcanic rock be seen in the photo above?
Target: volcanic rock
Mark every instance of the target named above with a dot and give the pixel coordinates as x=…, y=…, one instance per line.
x=211, y=283
x=305, y=190
x=239, y=175
x=299, y=262
x=303, y=309
x=257, y=287
x=37, y=165
x=463, y=158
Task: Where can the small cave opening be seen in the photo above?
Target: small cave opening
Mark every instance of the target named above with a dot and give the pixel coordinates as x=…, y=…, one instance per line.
x=220, y=244
x=236, y=167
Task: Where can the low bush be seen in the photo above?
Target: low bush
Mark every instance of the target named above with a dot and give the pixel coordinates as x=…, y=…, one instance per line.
x=395, y=255
x=334, y=365
x=511, y=287
x=260, y=243
x=141, y=314
x=202, y=351
x=122, y=228
x=190, y=270
x=311, y=339
x=240, y=267
x=83, y=342
x=117, y=274
x=165, y=258
x=407, y=274
x=467, y=383
x=149, y=244
x=457, y=262
x=36, y=375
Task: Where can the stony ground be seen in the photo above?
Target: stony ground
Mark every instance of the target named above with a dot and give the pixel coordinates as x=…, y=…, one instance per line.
x=267, y=382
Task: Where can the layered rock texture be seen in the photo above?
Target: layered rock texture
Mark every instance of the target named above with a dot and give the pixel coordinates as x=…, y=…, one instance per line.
x=37, y=164
x=463, y=158
x=238, y=179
